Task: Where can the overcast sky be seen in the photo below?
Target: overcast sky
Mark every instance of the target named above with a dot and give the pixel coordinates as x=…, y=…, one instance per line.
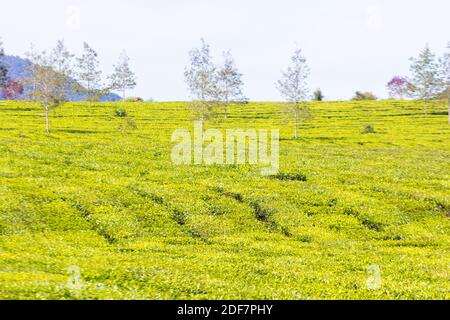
x=349, y=44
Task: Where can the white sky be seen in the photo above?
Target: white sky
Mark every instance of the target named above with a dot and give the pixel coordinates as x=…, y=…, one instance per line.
x=350, y=44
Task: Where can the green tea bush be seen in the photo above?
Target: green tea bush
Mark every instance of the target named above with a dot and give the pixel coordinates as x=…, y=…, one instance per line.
x=261, y=213
x=368, y=128
x=127, y=125
x=121, y=113
x=290, y=176
x=134, y=99
x=179, y=217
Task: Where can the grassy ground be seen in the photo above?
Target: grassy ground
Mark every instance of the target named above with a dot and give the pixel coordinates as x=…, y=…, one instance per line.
x=96, y=209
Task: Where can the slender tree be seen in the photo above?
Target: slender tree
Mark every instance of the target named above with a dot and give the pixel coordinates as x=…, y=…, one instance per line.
x=123, y=78
x=3, y=68
x=201, y=79
x=294, y=88
x=426, y=77
x=445, y=70
x=61, y=58
x=229, y=82
x=88, y=72
x=50, y=75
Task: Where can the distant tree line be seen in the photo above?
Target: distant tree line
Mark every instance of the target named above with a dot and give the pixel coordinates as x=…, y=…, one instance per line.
x=52, y=75
x=213, y=87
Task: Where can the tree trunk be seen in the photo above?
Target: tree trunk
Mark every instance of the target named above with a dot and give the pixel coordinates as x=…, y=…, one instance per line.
x=296, y=123
x=448, y=102
x=47, y=127
x=89, y=95
x=226, y=107
x=123, y=95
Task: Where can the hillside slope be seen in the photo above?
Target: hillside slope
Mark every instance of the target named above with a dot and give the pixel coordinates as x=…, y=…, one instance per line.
x=96, y=209
x=17, y=70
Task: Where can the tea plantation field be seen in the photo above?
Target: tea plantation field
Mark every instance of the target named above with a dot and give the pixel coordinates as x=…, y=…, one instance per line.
x=97, y=210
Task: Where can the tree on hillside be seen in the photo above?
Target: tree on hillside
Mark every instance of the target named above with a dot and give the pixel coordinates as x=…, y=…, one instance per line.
x=123, y=78
x=293, y=87
x=399, y=87
x=3, y=68
x=426, y=77
x=49, y=77
x=201, y=79
x=359, y=95
x=229, y=82
x=445, y=70
x=318, y=95
x=61, y=59
x=12, y=90
x=88, y=72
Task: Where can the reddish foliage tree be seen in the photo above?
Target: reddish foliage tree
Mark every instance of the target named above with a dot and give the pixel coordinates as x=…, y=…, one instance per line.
x=399, y=87
x=12, y=90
